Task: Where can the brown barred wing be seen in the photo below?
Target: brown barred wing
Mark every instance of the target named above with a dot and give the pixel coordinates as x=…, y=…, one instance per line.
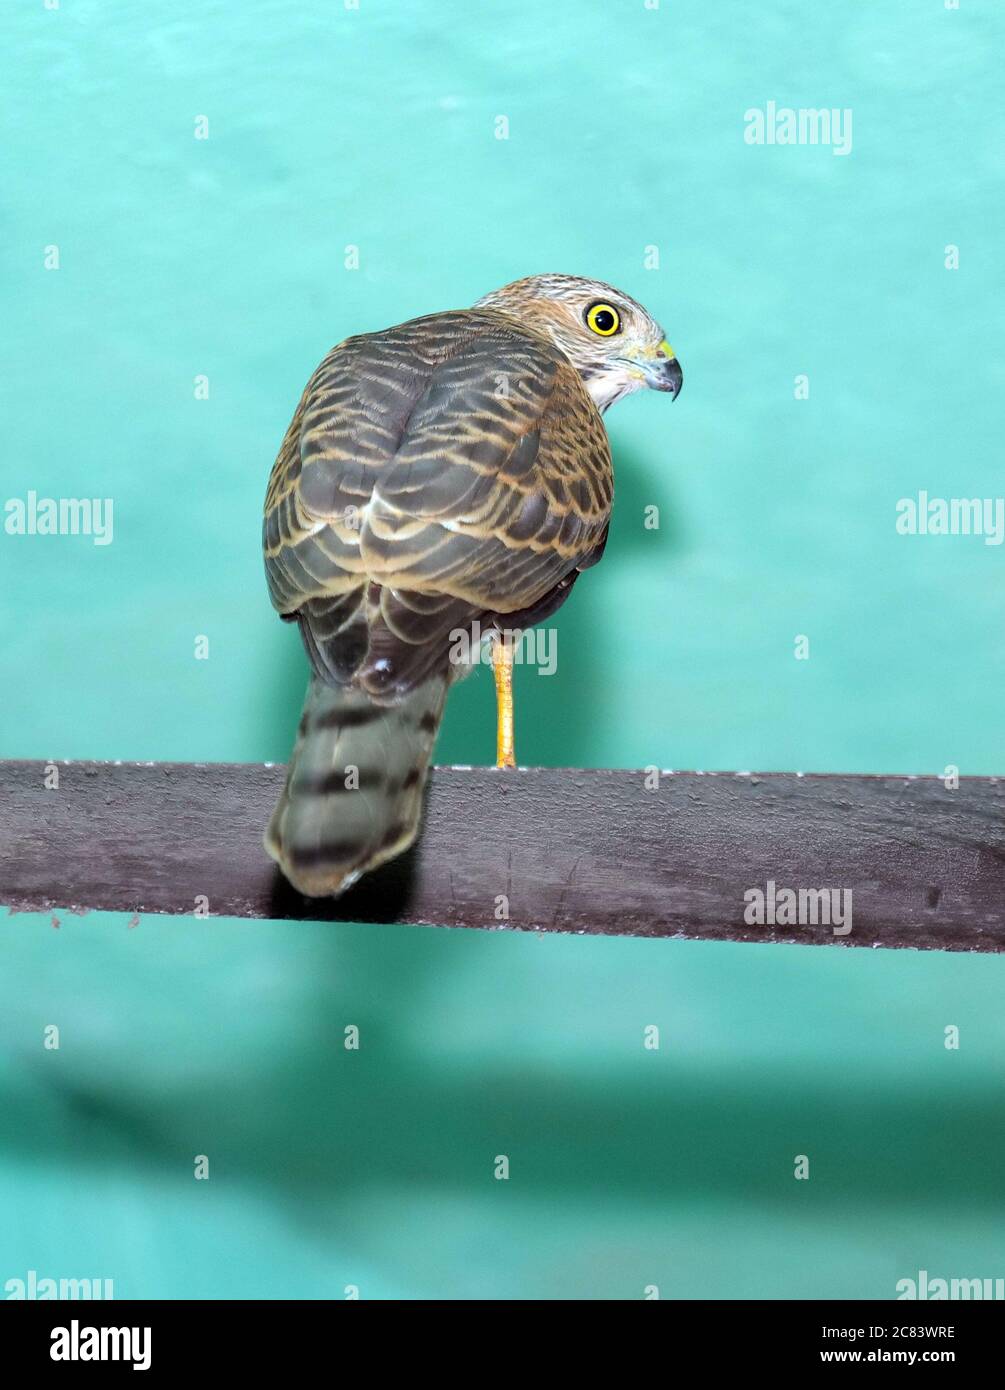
x=447, y=469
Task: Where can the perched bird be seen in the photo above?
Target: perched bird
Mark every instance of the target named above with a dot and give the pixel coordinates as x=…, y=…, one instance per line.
x=451, y=474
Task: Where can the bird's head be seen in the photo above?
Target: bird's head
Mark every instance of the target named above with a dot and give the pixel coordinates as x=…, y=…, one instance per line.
x=614, y=344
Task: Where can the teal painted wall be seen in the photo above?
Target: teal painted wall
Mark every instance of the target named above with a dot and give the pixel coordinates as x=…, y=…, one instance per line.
x=225, y=257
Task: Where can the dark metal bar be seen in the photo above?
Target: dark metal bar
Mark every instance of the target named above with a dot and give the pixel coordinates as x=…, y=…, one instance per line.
x=542, y=849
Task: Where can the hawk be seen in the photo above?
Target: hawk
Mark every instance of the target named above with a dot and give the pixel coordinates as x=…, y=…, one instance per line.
x=449, y=475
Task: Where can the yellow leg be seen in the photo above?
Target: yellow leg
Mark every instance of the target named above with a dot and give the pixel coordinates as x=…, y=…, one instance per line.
x=502, y=667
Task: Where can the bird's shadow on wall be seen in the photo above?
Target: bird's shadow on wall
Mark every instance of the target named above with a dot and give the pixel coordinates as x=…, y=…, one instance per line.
x=320, y=1133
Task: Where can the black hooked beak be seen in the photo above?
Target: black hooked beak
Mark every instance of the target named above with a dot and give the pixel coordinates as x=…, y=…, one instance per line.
x=667, y=376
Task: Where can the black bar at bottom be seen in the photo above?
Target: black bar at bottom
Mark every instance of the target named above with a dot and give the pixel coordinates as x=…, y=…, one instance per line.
x=177, y=1339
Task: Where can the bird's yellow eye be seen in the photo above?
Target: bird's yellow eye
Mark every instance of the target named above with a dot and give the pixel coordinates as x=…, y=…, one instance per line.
x=603, y=319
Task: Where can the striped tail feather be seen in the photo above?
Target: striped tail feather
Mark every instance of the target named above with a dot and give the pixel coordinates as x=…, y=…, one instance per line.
x=353, y=793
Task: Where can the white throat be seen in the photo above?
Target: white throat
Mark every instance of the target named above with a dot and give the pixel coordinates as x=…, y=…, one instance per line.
x=607, y=387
